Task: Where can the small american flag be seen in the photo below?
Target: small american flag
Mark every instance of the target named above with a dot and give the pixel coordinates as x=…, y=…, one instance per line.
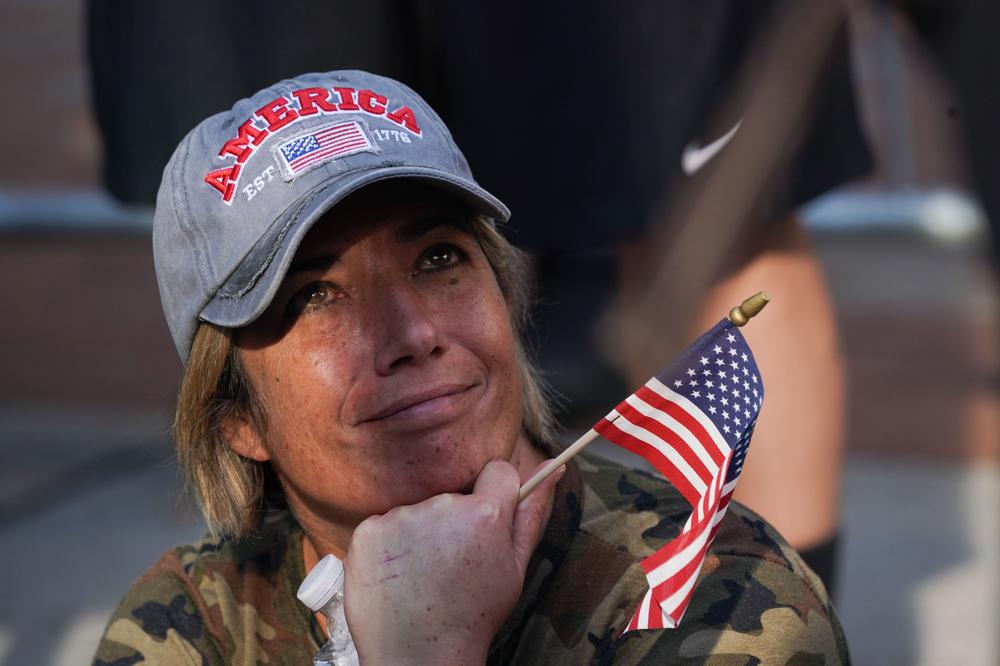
x=693, y=422
x=322, y=145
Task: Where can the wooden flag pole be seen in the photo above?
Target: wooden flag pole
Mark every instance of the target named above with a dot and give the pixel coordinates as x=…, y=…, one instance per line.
x=739, y=315
x=556, y=463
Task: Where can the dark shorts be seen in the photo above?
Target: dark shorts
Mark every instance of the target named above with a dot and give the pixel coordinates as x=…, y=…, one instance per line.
x=574, y=114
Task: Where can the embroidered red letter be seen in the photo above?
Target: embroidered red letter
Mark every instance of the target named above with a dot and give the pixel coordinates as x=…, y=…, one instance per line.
x=346, y=99
x=239, y=145
x=372, y=102
x=310, y=98
x=277, y=114
x=404, y=116
x=224, y=180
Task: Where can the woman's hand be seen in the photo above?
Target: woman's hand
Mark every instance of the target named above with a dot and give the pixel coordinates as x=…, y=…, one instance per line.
x=433, y=582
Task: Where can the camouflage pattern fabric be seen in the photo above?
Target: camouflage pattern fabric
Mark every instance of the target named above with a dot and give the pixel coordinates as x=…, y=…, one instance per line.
x=233, y=602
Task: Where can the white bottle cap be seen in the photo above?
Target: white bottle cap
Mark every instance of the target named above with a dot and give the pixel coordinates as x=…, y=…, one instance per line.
x=325, y=579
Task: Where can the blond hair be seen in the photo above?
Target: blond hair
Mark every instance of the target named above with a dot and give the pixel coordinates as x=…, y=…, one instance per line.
x=235, y=492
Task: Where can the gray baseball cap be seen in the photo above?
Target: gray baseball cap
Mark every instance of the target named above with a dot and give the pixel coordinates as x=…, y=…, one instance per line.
x=244, y=187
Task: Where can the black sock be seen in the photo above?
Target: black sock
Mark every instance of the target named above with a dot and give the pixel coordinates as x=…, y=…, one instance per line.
x=822, y=559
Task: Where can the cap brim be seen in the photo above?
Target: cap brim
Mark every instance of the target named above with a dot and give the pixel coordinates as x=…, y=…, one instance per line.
x=250, y=288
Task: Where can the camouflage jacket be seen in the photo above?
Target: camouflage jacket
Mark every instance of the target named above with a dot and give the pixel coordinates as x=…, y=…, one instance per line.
x=233, y=602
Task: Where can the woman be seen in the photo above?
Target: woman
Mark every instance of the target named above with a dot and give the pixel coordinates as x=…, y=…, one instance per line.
x=355, y=384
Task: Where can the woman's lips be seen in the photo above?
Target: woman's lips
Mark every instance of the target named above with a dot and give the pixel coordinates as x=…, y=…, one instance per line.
x=434, y=403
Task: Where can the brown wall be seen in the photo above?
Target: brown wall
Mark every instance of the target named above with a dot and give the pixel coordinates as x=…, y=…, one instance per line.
x=82, y=322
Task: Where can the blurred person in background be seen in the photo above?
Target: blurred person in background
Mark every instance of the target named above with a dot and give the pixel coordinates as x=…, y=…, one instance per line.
x=588, y=119
x=960, y=36
x=350, y=323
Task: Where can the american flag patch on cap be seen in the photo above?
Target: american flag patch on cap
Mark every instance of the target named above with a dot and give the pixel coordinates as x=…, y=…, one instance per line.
x=320, y=145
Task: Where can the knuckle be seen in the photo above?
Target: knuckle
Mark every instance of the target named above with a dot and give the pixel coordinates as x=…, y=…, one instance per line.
x=442, y=501
x=486, y=512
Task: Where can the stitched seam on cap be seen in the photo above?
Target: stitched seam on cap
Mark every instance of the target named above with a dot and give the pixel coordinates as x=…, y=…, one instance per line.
x=199, y=241
x=266, y=263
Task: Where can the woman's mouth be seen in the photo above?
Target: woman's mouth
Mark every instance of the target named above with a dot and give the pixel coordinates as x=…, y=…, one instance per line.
x=426, y=407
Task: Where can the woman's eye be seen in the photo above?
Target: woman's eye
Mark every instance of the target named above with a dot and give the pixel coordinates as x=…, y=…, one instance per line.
x=315, y=294
x=441, y=256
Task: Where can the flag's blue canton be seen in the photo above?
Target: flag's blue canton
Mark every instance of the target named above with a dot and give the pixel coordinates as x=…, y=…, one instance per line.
x=299, y=147
x=719, y=375
x=740, y=453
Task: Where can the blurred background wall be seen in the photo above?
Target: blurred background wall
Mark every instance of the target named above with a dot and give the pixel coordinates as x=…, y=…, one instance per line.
x=90, y=496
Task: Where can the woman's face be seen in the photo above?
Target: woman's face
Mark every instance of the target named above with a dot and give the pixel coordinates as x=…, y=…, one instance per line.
x=386, y=363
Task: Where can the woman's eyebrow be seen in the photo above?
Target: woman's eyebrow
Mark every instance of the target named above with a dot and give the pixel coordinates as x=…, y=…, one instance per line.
x=412, y=231
x=317, y=263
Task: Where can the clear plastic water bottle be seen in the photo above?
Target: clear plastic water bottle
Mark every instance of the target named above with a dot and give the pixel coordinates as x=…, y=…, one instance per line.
x=323, y=591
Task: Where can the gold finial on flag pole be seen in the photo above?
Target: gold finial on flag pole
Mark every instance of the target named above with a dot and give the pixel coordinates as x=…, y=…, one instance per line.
x=749, y=308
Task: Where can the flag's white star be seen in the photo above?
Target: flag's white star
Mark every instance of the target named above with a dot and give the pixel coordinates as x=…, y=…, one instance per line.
x=712, y=409
x=690, y=372
x=736, y=393
x=693, y=382
x=717, y=349
x=709, y=383
x=732, y=351
x=734, y=365
x=719, y=361
x=755, y=393
x=753, y=378
x=738, y=421
x=707, y=372
x=731, y=337
x=726, y=429
x=722, y=373
x=725, y=415
x=746, y=413
x=696, y=394
x=746, y=399
x=725, y=401
x=746, y=386
x=703, y=360
x=678, y=382
x=745, y=371
x=723, y=388
x=745, y=357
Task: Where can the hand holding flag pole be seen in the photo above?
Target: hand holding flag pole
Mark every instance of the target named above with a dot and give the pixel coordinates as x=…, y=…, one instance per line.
x=739, y=316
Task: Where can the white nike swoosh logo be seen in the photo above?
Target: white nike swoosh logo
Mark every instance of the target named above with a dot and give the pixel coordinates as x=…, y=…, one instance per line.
x=695, y=157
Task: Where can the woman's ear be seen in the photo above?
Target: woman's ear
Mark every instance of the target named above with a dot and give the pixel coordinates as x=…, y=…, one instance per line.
x=243, y=438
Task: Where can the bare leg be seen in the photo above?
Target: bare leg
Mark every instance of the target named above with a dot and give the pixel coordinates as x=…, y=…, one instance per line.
x=792, y=474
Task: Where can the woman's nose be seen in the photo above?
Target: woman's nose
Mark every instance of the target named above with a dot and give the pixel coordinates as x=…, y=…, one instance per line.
x=408, y=330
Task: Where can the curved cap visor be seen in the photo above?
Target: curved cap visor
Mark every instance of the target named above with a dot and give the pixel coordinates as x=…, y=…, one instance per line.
x=248, y=291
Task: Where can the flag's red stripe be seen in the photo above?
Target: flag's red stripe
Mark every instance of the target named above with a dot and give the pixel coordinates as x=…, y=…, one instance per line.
x=681, y=542
x=340, y=144
x=681, y=607
x=615, y=434
x=689, y=534
x=633, y=624
x=723, y=506
x=677, y=581
x=337, y=129
x=334, y=133
x=335, y=150
x=684, y=418
x=671, y=438
x=654, y=616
